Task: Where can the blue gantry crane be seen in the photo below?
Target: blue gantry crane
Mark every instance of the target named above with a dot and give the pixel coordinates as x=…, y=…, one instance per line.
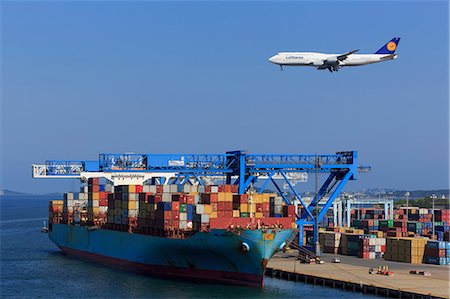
x=237, y=167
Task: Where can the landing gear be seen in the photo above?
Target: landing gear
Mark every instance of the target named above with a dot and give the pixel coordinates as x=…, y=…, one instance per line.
x=281, y=67
x=333, y=68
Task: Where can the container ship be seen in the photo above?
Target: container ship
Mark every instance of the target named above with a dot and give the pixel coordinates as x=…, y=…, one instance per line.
x=198, y=233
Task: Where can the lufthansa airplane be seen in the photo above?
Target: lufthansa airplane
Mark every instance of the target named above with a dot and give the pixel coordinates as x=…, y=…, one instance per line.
x=333, y=62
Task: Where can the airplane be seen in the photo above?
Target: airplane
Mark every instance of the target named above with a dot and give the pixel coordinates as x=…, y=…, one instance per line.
x=333, y=62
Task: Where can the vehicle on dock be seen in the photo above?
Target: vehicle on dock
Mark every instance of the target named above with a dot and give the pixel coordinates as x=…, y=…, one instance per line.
x=336, y=260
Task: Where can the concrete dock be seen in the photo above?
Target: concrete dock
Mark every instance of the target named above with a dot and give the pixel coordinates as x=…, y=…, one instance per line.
x=353, y=274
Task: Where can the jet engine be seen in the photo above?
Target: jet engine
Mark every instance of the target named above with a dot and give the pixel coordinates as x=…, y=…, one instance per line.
x=332, y=60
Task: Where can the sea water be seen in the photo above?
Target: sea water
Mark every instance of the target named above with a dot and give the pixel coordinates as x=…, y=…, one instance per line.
x=33, y=267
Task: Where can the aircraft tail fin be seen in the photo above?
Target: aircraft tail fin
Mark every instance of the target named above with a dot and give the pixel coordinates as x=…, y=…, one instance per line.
x=390, y=47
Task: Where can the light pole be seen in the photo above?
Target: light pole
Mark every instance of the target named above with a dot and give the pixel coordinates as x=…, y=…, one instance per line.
x=433, y=197
x=316, y=208
x=407, y=194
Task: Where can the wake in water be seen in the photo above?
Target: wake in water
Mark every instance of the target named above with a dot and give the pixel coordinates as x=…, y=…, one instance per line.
x=20, y=220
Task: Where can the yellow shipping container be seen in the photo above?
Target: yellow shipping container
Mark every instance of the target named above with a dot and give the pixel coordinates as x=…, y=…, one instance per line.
x=257, y=198
x=213, y=215
x=132, y=205
x=258, y=215
x=228, y=196
x=207, y=209
x=131, y=189
x=236, y=214
x=244, y=208
x=95, y=195
x=221, y=196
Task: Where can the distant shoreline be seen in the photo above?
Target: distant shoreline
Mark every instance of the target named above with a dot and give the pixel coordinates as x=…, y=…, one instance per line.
x=16, y=193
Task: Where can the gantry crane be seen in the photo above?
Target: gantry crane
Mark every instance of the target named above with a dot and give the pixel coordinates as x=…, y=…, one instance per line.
x=236, y=167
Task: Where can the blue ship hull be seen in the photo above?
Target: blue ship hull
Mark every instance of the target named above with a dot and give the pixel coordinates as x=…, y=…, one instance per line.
x=218, y=256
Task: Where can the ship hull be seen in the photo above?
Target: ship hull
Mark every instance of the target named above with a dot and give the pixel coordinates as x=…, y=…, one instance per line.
x=214, y=257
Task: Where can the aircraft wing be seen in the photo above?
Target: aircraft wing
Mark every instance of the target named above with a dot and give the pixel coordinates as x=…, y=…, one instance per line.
x=342, y=57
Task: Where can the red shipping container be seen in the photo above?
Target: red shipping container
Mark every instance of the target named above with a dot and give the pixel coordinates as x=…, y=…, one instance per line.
x=291, y=211
x=93, y=188
x=243, y=198
x=224, y=188
x=228, y=206
x=176, y=223
x=168, y=223
x=190, y=199
x=213, y=197
x=259, y=207
x=234, y=188
x=139, y=188
x=158, y=198
x=383, y=248
x=103, y=195
x=207, y=189
x=183, y=198
x=221, y=206
x=93, y=181
x=175, y=206
x=220, y=214
x=266, y=207
x=266, y=214
x=159, y=188
x=103, y=202
x=214, y=207
x=167, y=214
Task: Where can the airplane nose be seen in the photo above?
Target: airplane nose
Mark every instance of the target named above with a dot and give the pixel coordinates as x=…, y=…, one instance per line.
x=273, y=59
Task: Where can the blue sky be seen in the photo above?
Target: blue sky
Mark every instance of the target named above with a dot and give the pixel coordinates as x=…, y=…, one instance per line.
x=81, y=78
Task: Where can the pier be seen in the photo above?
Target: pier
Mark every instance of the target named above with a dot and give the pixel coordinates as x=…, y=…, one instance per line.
x=352, y=274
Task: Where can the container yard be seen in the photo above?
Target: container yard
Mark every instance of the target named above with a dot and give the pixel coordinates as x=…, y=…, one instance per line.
x=409, y=238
